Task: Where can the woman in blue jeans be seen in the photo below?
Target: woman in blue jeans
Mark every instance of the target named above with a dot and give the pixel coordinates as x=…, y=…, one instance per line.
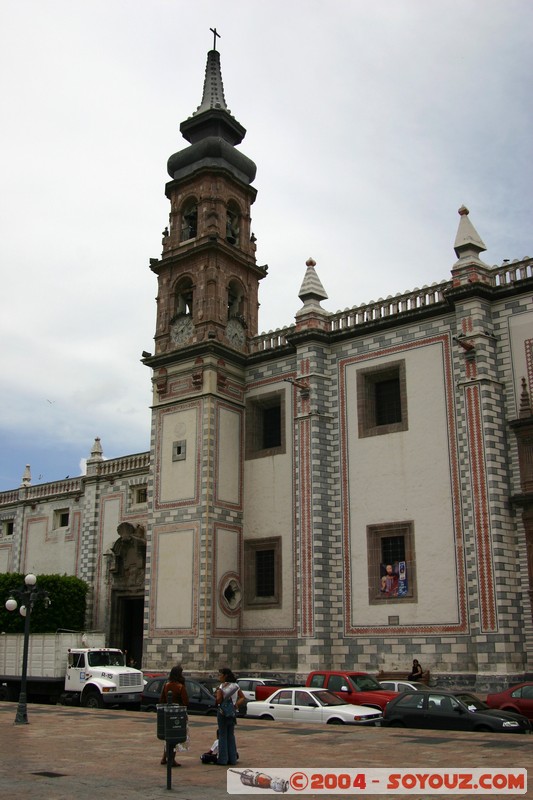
x=229, y=688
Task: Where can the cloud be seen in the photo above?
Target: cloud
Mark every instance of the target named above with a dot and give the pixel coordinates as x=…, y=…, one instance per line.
x=370, y=124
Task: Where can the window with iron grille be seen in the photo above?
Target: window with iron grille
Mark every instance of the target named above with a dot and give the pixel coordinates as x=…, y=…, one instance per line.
x=391, y=563
x=382, y=399
x=265, y=573
x=265, y=425
x=262, y=572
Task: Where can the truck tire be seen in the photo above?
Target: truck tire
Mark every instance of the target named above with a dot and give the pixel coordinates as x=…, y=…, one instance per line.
x=92, y=699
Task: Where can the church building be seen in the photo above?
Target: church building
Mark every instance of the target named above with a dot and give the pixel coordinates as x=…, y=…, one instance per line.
x=349, y=492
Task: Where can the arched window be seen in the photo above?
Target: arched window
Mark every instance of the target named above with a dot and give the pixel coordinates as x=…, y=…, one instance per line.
x=233, y=221
x=189, y=220
x=235, y=300
x=184, y=297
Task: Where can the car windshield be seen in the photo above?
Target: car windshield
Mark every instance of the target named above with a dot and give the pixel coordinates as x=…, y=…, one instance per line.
x=326, y=698
x=106, y=658
x=472, y=702
x=365, y=683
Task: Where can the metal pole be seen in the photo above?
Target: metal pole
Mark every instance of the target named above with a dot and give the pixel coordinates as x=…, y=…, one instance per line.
x=170, y=750
x=22, y=709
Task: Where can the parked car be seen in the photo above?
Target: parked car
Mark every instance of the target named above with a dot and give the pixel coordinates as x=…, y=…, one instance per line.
x=248, y=685
x=147, y=674
x=201, y=701
x=517, y=698
x=352, y=687
x=211, y=684
x=403, y=686
x=301, y=704
x=454, y=711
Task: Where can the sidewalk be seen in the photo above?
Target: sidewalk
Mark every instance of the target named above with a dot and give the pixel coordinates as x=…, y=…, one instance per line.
x=83, y=754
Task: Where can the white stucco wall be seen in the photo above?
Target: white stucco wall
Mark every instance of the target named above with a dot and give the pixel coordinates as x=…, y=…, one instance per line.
x=228, y=481
x=178, y=478
x=389, y=477
x=268, y=504
x=174, y=578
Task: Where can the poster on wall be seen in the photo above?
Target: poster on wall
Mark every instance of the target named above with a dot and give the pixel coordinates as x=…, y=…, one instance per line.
x=393, y=580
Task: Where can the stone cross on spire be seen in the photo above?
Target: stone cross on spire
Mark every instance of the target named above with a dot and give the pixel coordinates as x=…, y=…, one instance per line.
x=215, y=35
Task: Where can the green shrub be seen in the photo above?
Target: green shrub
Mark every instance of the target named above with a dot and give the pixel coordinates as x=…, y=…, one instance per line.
x=66, y=610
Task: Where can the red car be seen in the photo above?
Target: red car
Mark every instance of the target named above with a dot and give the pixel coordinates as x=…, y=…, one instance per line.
x=517, y=698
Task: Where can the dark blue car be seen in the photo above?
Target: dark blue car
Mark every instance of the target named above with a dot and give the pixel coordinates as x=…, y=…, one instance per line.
x=454, y=711
x=201, y=700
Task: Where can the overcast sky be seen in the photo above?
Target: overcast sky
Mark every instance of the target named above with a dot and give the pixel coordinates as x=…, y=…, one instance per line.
x=370, y=124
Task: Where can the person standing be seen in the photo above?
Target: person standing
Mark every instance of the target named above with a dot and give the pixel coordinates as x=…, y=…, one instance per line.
x=176, y=685
x=228, y=690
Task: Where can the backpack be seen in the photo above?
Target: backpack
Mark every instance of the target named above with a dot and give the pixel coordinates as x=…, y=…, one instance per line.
x=227, y=706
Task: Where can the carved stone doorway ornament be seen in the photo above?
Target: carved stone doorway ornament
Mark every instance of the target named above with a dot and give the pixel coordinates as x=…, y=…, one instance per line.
x=128, y=558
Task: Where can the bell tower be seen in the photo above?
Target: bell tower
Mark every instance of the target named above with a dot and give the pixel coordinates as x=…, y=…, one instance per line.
x=207, y=307
x=207, y=275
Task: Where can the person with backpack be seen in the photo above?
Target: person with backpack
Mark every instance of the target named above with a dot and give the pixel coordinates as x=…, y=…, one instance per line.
x=228, y=697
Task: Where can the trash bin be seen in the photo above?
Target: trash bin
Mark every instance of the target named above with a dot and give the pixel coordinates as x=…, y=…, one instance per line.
x=172, y=723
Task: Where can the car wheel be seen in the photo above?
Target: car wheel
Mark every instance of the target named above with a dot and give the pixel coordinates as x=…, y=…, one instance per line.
x=335, y=721
x=396, y=723
x=92, y=700
x=482, y=729
x=510, y=708
x=267, y=716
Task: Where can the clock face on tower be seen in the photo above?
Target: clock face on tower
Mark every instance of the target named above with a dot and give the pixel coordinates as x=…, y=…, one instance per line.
x=181, y=329
x=235, y=333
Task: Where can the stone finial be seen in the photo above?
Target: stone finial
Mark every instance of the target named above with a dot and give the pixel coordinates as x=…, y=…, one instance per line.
x=97, y=454
x=311, y=287
x=525, y=402
x=311, y=293
x=468, y=242
x=26, y=478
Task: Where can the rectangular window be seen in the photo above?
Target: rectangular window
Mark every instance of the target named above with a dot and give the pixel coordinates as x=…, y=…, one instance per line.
x=179, y=450
x=391, y=563
x=262, y=575
x=8, y=527
x=61, y=518
x=382, y=399
x=388, y=401
x=265, y=425
x=140, y=495
x=271, y=425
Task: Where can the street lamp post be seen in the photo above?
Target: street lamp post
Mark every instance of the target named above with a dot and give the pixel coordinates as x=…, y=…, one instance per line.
x=28, y=595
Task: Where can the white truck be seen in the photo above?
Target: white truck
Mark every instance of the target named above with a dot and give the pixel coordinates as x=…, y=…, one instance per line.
x=68, y=668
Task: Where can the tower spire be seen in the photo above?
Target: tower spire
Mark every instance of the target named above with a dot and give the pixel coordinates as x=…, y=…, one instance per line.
x=213, y=94
x=212, y=132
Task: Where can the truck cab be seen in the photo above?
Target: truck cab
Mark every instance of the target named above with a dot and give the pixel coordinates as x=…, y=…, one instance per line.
x=100, y=677
x=359, y=688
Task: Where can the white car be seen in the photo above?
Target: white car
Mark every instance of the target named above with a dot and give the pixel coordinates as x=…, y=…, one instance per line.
x=403, y=686
x=247, y=685
x=301, y=704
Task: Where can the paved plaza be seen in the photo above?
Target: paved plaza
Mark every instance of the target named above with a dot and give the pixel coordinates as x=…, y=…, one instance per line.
x=83, y=754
